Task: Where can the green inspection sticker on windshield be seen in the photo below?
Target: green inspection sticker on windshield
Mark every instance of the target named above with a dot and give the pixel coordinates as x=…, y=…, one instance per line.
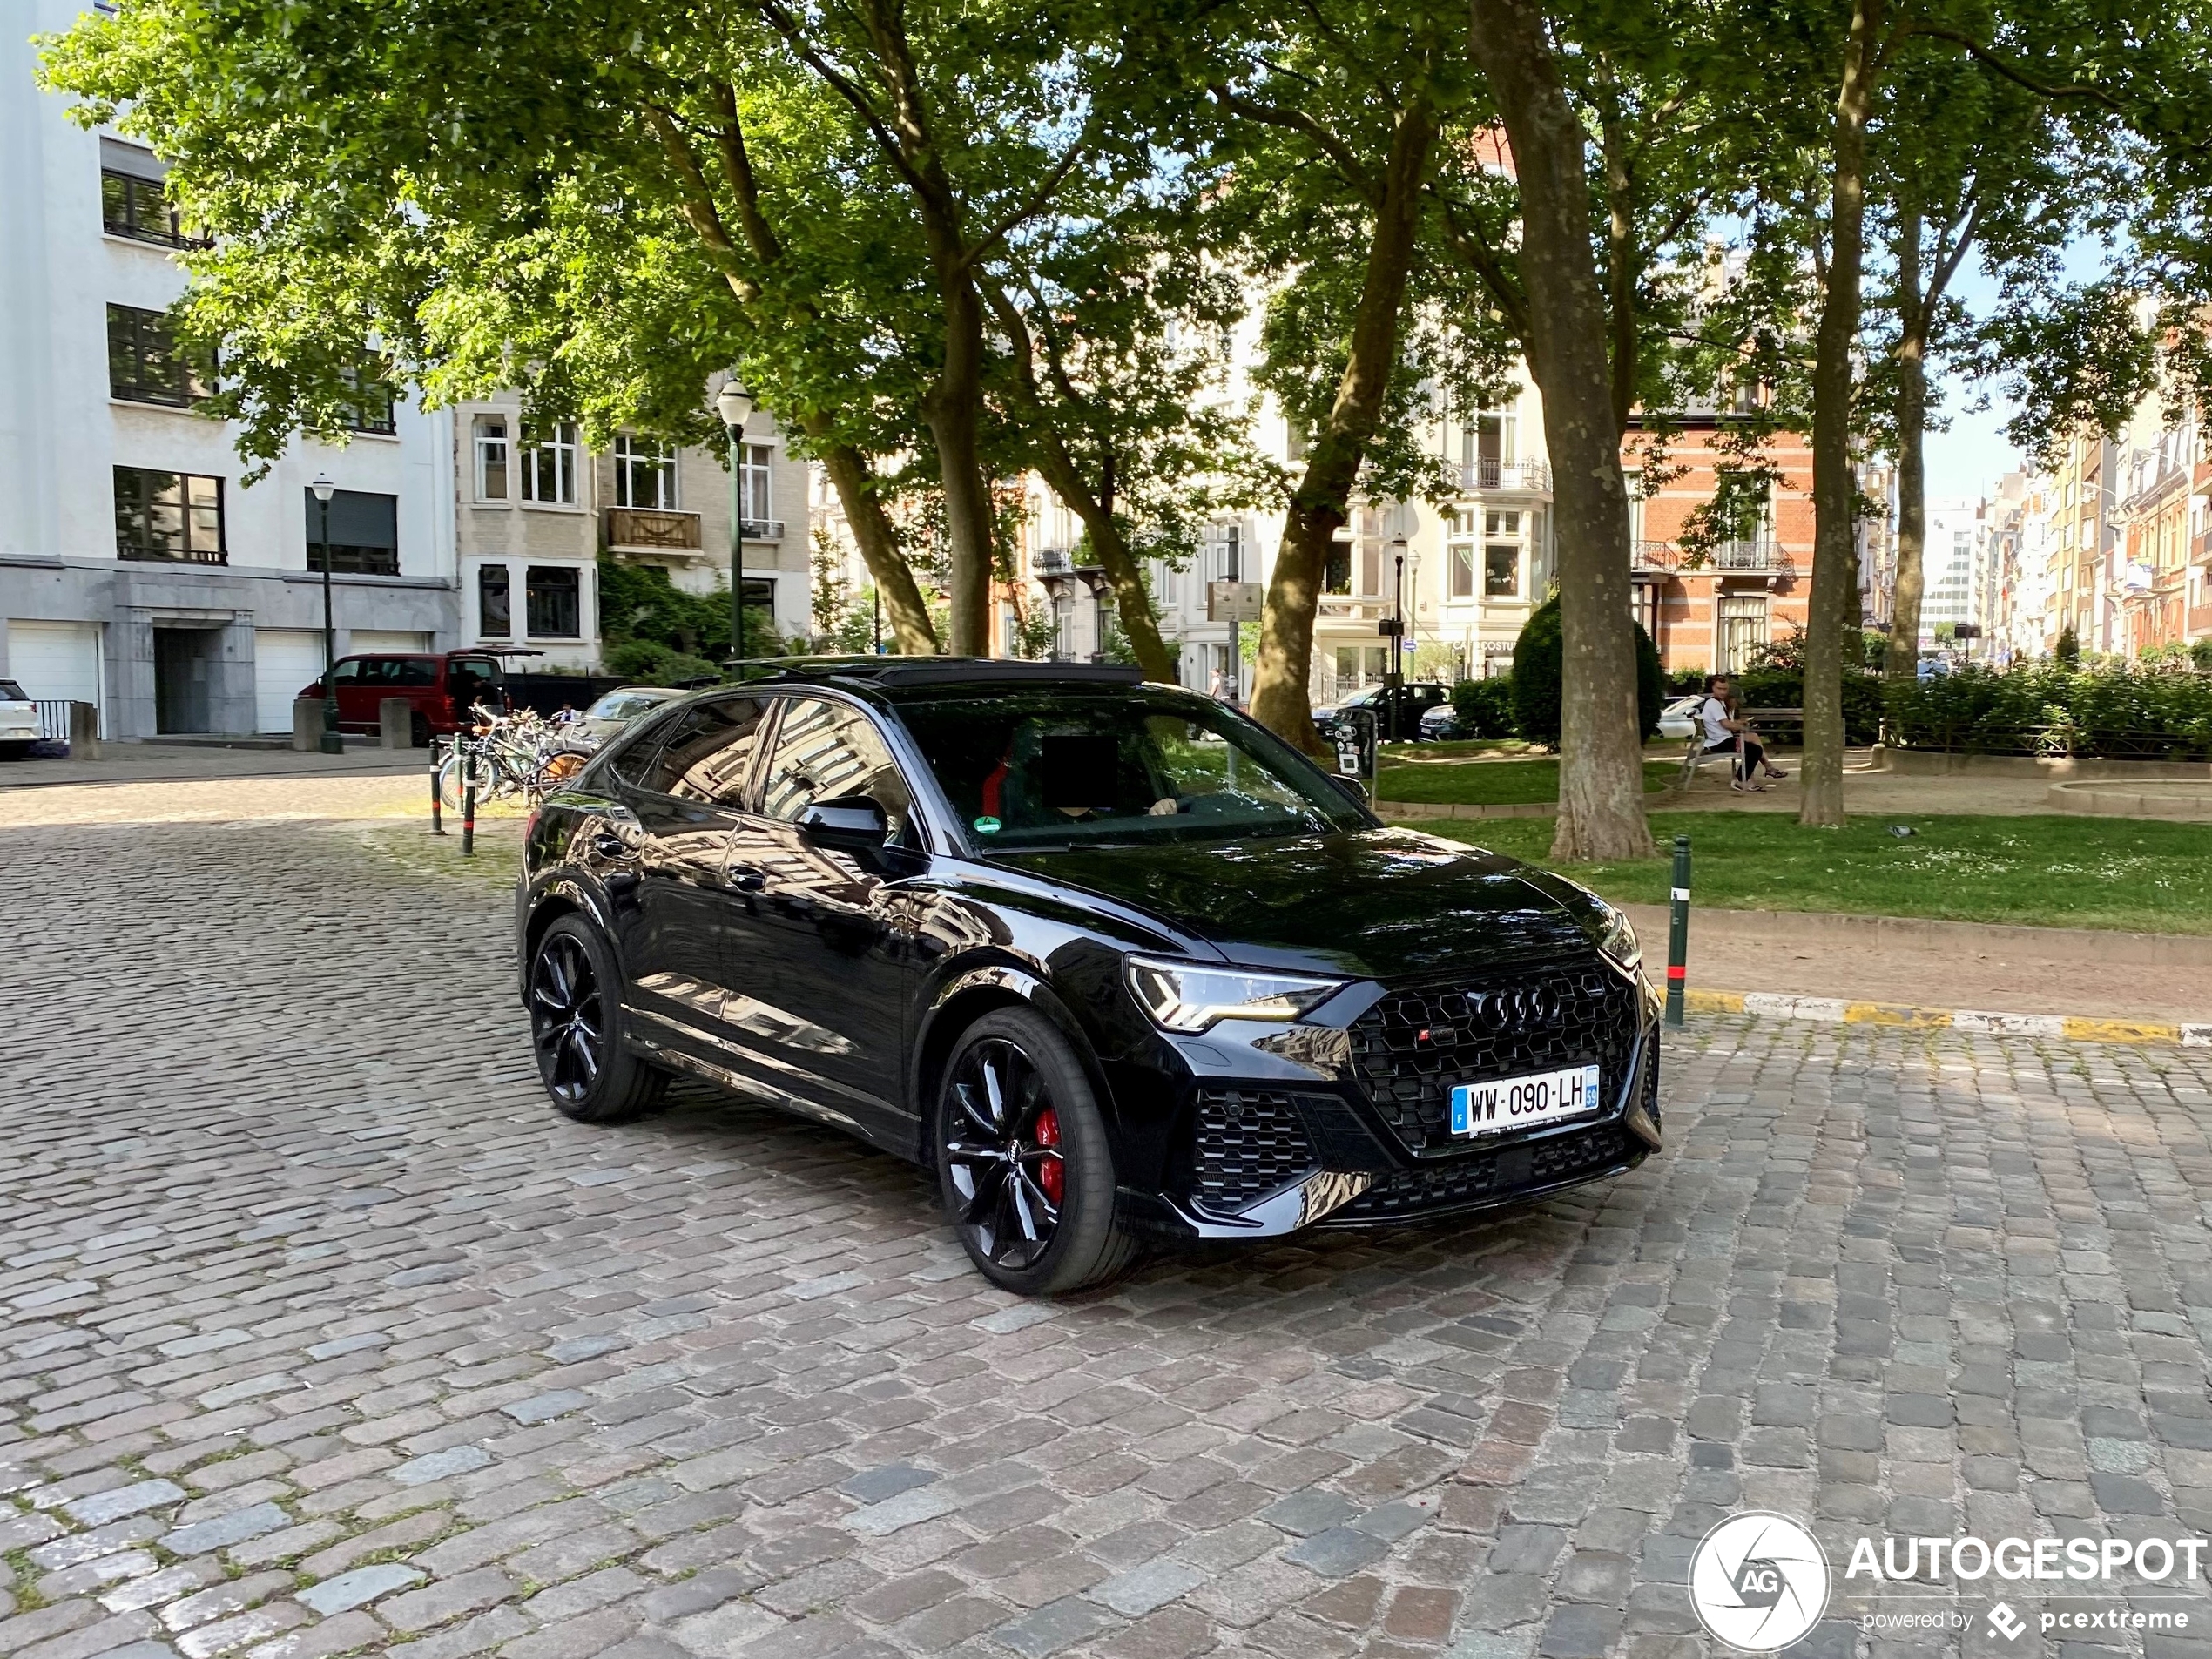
x=987, y=826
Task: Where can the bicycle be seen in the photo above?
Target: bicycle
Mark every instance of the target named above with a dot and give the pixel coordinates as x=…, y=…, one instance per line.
x=520, y=754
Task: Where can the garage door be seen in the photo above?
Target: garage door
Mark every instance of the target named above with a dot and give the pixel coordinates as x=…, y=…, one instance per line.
x=364, y=640
x=57, y=659
x=286, y=662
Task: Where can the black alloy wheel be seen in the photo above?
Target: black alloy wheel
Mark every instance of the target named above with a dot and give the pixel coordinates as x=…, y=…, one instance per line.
x=575, y=1014
x=1023, y=1159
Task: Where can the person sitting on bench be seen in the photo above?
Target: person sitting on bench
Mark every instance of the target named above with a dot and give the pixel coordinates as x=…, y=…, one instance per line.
x=1725, y=732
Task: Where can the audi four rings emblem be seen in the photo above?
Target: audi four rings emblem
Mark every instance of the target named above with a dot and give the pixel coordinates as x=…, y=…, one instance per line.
x=1526, y=1005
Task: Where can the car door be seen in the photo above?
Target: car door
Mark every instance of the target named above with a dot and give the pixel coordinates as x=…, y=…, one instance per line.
x=683, y=799
x=819, y=968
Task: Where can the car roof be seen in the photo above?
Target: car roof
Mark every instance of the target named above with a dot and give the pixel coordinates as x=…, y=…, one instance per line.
x=890, y=676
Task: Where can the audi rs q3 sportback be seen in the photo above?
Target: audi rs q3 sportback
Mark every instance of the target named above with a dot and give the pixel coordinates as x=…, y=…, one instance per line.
x=1113, y=960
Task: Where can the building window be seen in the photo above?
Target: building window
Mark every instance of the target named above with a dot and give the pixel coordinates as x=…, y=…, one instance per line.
x=1229, y=552
x=1743, y=626
x=1336, y=569
x=370, y=408
x=144, y=362
x=491, y=457
x=548, y=459
x=1486, y=445
x=168, y=516
x=139, y=209
x=495, y=616
x=364, y=537
x=644, y=474
x=758, y=501
x=1501, y=569
x=553, y=597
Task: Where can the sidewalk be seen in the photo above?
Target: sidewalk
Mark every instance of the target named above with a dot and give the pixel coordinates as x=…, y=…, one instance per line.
x=134, y=763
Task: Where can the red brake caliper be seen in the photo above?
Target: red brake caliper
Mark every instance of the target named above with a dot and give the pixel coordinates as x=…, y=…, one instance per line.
x=1050, y=1174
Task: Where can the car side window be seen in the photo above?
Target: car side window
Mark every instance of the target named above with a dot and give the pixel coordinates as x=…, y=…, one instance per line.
x=349, y=670
x=825, y=751
x=708, y=753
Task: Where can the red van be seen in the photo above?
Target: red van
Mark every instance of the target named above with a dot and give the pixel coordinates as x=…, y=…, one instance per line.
x=441, y=687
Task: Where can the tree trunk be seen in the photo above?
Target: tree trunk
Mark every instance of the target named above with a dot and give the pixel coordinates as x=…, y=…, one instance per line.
x=1835, y=595
x=1904, y=657
x=894, y=582
x=954, y=409
x=1132, y=600
x=1321, y=504
x=1600, y=771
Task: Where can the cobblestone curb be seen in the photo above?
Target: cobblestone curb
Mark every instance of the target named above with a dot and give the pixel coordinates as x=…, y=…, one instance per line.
x=1835, y=1011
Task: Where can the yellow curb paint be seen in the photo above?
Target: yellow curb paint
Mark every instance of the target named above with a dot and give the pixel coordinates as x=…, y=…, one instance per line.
x=1894, y=1013
x=1713, y=1002
x=2087, y=1030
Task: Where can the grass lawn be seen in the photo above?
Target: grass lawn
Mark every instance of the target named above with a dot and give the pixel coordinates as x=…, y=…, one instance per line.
x=1458, y=750
x=1489, y=783
x=2052, y=871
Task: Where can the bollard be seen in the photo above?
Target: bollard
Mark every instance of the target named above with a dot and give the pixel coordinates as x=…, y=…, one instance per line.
x=468, y=797
x=1678, y=931
x=437, y=811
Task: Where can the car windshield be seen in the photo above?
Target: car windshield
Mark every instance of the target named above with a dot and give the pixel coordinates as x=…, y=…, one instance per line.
x=624, y=705
x=1064, y=767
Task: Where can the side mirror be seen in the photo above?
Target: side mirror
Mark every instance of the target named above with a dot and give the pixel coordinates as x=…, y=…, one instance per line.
x=1351, y=787
x=847, y=824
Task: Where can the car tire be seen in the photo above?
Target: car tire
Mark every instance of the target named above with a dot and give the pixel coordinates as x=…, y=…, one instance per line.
x=15, y=751
x=418, y=731
x=1016, y=1097
x=574, y=998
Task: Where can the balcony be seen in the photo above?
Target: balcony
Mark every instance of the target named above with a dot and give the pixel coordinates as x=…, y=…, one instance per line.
x=1730, y=558
x=645, y=529
x=762, y=529
x=1049, y=561
x=174, y=555
x=1487, y=473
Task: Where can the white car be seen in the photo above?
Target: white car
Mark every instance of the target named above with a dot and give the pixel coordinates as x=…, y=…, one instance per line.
x=1678, y=718
x=18, y=722
x=616, y=710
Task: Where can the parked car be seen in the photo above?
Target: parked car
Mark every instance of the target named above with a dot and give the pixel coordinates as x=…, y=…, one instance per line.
x=441, y=687
x=18, y=721
x=1113, y=960
x=1440, y=724
x=614, y=712
x=1678, y=718
x=1414, y=702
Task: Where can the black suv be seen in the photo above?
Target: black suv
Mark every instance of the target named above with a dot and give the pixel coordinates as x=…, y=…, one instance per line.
x=1114, y=961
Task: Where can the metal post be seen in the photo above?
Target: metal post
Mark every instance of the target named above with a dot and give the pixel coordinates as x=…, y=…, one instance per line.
x=468, y=796
x=737, y=540
x=332, y=742
x=1678, y=931
x=437, y=808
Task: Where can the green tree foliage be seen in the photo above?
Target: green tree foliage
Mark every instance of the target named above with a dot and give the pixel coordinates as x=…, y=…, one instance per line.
x=1539, y=681
x=1484, y=708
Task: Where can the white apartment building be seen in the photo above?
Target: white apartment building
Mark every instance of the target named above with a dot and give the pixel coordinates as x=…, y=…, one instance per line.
x=138, y=570
x=1957, y=565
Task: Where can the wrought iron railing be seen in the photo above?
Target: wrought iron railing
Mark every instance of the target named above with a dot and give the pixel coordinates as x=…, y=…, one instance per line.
x=763, y=529
x=1488, y=472
x=653, y=528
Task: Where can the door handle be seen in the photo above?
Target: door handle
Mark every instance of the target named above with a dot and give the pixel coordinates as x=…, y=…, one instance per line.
x=742, y=878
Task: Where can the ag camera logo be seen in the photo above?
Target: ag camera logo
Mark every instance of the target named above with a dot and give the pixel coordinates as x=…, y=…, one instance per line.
x=1758, y=1581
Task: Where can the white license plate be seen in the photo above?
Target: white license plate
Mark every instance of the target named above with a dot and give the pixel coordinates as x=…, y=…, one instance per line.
x=1519, y=1102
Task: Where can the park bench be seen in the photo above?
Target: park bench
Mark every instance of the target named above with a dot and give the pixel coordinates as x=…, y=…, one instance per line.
x=1763, y=722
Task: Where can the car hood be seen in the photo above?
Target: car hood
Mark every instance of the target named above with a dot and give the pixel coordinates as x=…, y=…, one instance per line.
x=1381, y=904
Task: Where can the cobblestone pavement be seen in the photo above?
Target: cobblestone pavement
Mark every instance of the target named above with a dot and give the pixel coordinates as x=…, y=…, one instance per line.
x=322, y=1334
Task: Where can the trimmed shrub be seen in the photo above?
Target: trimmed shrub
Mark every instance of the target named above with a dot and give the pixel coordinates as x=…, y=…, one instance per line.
x=1484, y=708
x=1537, y=656
x=1784, y=688
x=2056, y=708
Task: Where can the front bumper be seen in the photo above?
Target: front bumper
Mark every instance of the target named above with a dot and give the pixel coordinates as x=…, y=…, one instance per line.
x=1285, y=1135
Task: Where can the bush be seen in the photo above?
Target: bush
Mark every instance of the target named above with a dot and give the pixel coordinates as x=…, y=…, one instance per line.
x=1536, y=678
x=1484, y=708
x=2056, y=708
x=1784, y=688
x=636, y=659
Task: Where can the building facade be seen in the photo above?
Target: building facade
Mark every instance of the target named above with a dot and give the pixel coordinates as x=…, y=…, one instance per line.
x=139, y=570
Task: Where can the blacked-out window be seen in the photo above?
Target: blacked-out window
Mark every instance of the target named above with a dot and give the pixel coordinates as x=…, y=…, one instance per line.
x=370, y=408
x=139, y=209
x=553, y=597
x=145, y=363
x=827, y=750
x=708, y=754
x=495, y=612
x=168, y=516
x=364, y=536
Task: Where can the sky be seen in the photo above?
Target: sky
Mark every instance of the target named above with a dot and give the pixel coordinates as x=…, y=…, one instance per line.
x=1970, y=458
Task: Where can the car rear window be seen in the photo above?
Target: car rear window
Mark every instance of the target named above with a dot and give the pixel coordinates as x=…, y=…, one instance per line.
x=12, y=693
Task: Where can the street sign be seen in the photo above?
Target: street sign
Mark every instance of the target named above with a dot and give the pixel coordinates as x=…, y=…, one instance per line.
x=1234, y=601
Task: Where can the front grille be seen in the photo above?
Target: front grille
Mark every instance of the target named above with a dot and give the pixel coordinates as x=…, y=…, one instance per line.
x=1250, y=1143
x=1415, y=1044
x=1498, y=1174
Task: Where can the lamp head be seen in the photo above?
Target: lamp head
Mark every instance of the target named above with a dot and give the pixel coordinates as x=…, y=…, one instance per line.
x=734, y=402
x=322, y=489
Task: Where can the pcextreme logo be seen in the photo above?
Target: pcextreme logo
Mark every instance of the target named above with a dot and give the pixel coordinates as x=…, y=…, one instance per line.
x=1758, y=1581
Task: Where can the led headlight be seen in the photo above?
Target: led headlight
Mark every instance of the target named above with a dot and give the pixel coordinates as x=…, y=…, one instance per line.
x=1181, y=997
x=1616, y=937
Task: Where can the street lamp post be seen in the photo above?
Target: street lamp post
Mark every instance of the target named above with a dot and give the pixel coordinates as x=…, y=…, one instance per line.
x=1395, y=681
x=734, y=404
x=323, y=489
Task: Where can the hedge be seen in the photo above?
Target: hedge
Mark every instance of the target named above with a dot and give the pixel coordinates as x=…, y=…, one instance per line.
x=2057, y=708
x=1484, y=708
x=1538, y=657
